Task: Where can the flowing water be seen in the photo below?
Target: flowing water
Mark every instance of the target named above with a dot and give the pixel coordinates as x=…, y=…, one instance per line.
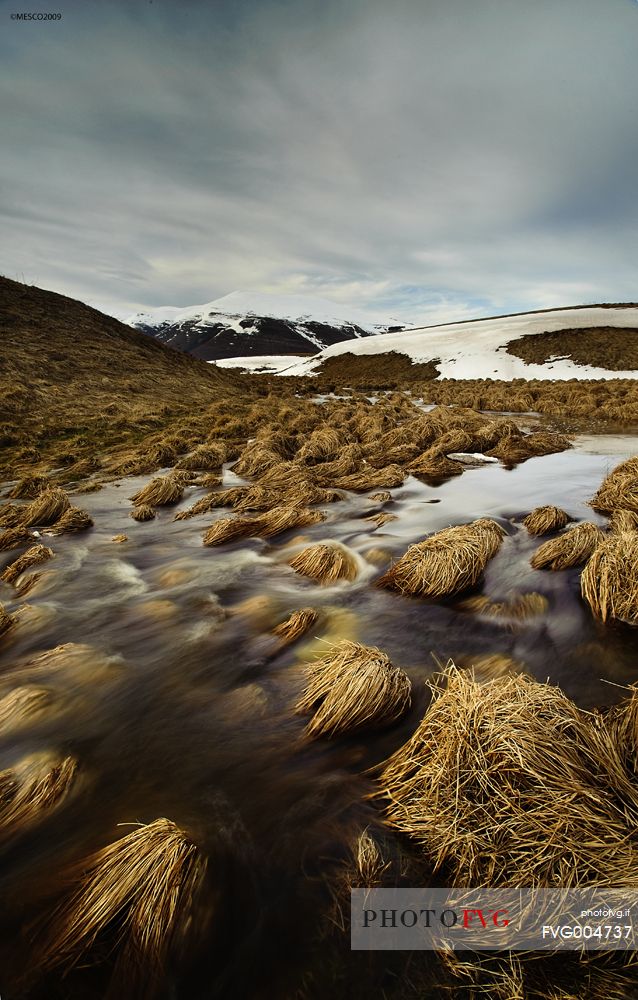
x=179, y=701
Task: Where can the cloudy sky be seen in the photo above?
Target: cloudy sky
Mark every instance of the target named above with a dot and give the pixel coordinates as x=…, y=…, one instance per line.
x=426, y=159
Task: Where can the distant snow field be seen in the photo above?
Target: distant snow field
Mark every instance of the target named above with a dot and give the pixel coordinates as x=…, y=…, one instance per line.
x=477, y=349
x=264, y=364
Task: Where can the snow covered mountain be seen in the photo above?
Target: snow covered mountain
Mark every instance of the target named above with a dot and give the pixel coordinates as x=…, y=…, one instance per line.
x=596, y=342
x=246, y=324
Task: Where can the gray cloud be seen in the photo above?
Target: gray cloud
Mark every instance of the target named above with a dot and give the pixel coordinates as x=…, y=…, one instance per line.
x=425, y=158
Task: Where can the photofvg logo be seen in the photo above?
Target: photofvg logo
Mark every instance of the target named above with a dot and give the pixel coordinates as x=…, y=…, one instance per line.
x=494, y=919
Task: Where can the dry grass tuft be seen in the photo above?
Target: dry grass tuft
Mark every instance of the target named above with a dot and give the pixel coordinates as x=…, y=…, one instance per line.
x=119, y=539
x=73, y=519
x=229, y=529
x=144, y=512
x=432, y=465
x=353, y=687
x=160, y=491
x=369, y=479
x=619, y=489
x=573, y=548
x=381, y=519
x=33, y=787
x=623, y=520
x=296, y=625
x=11, y=538
x=509, y=783
x=447, y=562
x=542, y=520
x=256, y=458
x=22, y=705
x=283, y=518
x=32, y=557
x=141, y=888
x=6, y=621
x=11, y=515
x=609, y=582
x=223, y=498
x=325, y=563
x=514, y=448
x=208, y=480
x=205, y=456
x=48, y=507
x=28, y=488
x=382, y=497
x=520, y=607
x=324, y=443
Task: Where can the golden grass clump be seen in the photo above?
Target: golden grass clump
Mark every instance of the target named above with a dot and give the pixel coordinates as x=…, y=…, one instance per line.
x=119, y=539
x=521, y=606
x=205, y=456
x=509, y=783
x=223, y=498
x=208, y=480
x=283, y=518
x=383, y=496
x=22, y=705
x=324, y=443
x=623, y=520
x=28, y=488
x=433, y=465
x=32, y=788
x=229, y=529
x=6, y=621
x=160, y=491
x=296, y=625
x=32, y=557
x=141, y=889
x=572, y=548
x=73, y=519
x=381, y=519
x=369, y=478
x=48, y=507
x=327, y=562
x=542, y=520
x=144, y=512
x=353, y=687
x=256, y=458
x=619, y=489
x=450, y=561
x=11, y=538
x=514, y=448
x=609, y=582
x=11, y=515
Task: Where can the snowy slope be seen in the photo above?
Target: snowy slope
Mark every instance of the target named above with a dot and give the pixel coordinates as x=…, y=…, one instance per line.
x=476, y=349
x=247, y=323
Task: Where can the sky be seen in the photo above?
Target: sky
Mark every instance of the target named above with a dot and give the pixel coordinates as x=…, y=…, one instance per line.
x=427, y=160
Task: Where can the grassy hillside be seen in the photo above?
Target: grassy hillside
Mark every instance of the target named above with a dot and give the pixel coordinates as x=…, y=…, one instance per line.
x=76, y=384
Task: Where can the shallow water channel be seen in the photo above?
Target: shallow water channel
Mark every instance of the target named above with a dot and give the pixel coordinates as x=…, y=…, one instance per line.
x=182, y=705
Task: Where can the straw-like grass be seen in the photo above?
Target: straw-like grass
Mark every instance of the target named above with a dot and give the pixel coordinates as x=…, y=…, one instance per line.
x=229, y=529
x=369, y=478
x=140, y=889
x=282, y=518
x=323, y=444
x=348, y=463
x=509, y=783
x=22, y=705
x=73, y=519
x=609, y=582
x=381, y=519
x=205, y=456
x=142, y=513
x=353, y=687
x=48, y=507
x=619, y=489
x=383, y=496
x=514, y=448
x=32, y=788
x=623, y=520
x=446, y=563
x=543, y=520
x=296, y=625
x=28, y=488
x=521, y=606
x=119, y=538
x=572, y=548
x=32, y=557
x=433, y=465
x=11, y=538
x=11, y=515
x=208, y=480
x=223, y=498
x=160, y=491
x=6, y=621
x=255, y=459
x=327, y=562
